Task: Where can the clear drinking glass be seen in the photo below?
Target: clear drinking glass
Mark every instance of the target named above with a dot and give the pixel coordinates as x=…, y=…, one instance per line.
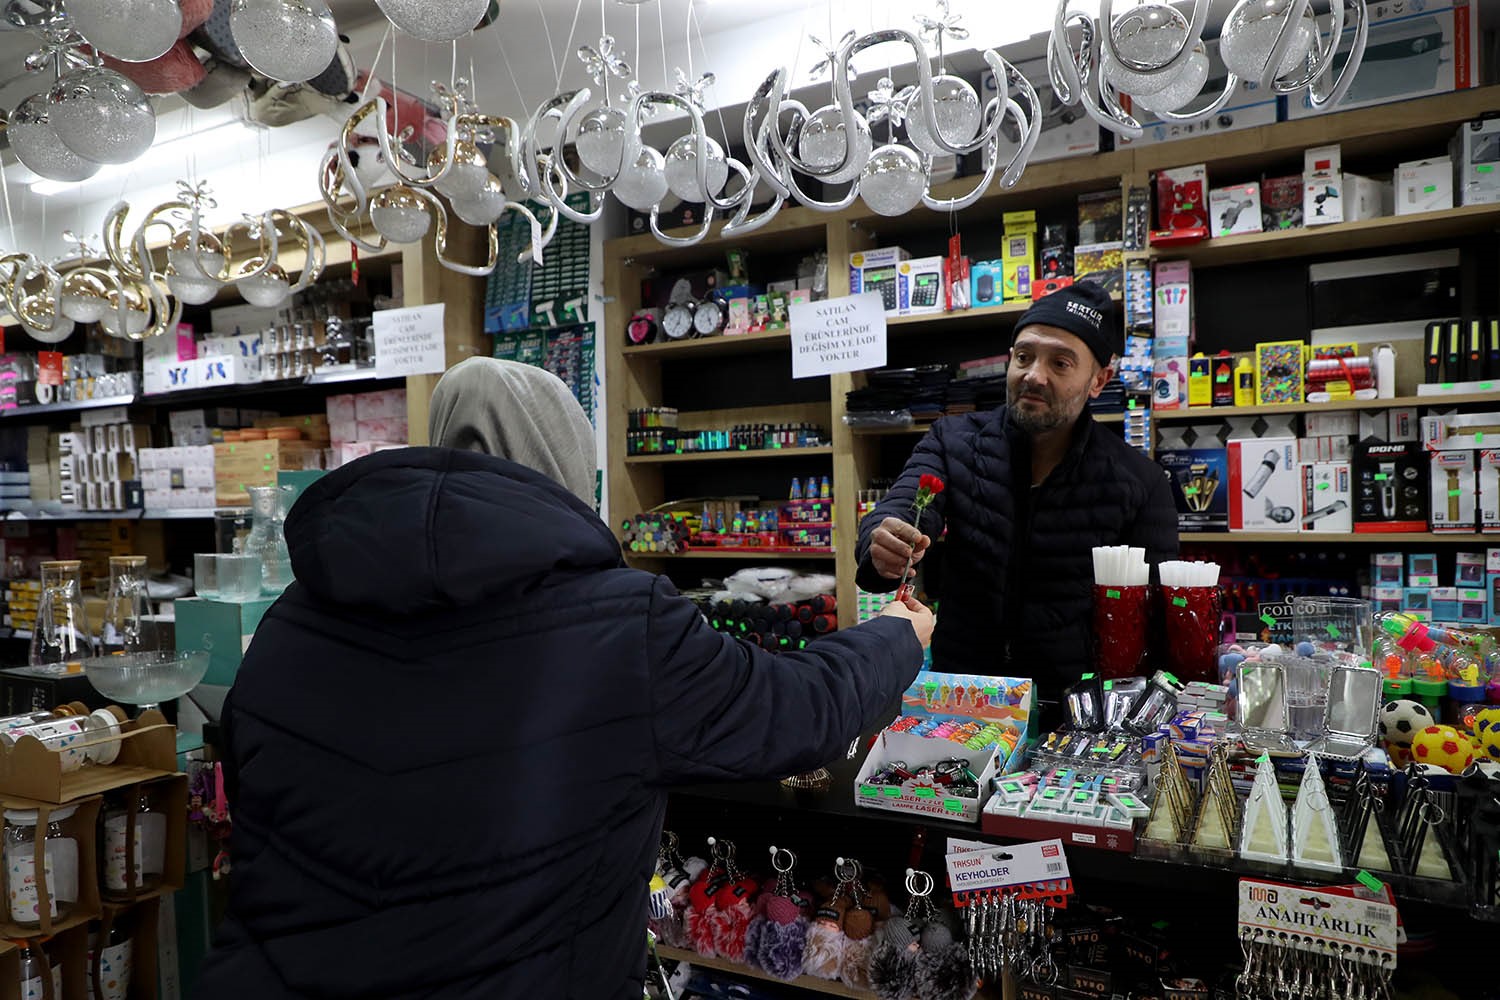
x=206, y=583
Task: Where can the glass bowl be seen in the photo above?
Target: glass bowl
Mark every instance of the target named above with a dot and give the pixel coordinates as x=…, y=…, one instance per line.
x=146, y=679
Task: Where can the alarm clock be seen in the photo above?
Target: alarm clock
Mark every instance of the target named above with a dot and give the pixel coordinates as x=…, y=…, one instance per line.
x=643, y=328
x=677, y=321
x=712, y=315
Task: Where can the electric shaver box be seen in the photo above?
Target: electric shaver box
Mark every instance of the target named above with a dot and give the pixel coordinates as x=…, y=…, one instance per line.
x=1391, y=491
x=1200, y=486
x=1265, y=491
x=1488, y=473
x=1455, y=499
x=1326, y=498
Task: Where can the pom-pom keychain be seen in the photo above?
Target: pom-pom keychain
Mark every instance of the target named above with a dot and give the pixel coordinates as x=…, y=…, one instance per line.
x=825, y=936
x=917, y=958
x=862, y=925
x=734, y=905
x=700, y=901
x=777, y=937
x=670, y=897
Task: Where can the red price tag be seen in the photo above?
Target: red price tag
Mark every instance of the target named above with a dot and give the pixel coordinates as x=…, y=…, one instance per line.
x=49, y=367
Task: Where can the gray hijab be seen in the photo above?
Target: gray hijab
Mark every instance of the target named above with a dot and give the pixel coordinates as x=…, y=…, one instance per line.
x=517, y=412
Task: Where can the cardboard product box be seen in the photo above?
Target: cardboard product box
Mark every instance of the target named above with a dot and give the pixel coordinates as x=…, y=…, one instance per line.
x=1412, y=51
x=1101, y=263
x=1367, y=198
x=1455, y=500
x=986, y=283
x=1391, y=492
x=1343, y=423
x=38, y=689
x=1327, y=499
x=1322, y=185
x=1460, y=431
x=1234, y=210
x=875, y=271
x=1264, y=487
x=1181, y=204
x=1281, y=203
x=1493, y=589
x=342, y=409
x=1475, y=152
x=1200, y=481
x=1444, y=604
x=1424, y=186
x=394, y=429
x=1488, y=474
x=1066, y=130
x=919, y=292
x=223, y=629
x=1100, y=217
x=1018, y=255
x=379, y=405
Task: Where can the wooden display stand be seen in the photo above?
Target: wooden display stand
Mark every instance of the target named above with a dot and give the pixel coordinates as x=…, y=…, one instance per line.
x=148, y=750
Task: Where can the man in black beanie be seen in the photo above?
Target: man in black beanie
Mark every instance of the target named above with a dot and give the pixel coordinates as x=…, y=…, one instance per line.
x=1030, y=490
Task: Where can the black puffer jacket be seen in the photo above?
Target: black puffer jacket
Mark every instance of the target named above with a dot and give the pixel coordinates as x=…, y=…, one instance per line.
x=1017, y=568
x=451, y=740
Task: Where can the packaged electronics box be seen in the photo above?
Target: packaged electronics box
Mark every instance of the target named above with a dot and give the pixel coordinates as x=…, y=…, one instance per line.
x=1327, y=499
x=1454, y=496
x=1391, y=491
x=1200, y=486
x=875, y=271
x=1264, y=485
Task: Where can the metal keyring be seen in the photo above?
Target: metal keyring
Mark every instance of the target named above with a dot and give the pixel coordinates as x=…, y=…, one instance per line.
x=777, y=854
x=914, y=879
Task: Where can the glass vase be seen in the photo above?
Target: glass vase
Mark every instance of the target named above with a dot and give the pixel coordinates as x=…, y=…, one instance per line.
x=268, y=505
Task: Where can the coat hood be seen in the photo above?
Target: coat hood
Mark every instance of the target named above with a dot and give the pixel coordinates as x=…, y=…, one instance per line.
x=421, y=529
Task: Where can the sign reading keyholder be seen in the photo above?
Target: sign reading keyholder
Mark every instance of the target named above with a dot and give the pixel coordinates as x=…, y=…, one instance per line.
x=410, y=342
x=837, y=335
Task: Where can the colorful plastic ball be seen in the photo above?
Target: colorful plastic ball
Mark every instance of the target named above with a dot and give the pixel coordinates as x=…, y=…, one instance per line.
x=1444, y=747
x=1401, y=720
x=1305, y=648
x=1487, y=731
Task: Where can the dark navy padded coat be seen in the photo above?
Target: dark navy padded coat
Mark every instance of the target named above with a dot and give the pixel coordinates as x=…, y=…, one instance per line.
x=451, y=740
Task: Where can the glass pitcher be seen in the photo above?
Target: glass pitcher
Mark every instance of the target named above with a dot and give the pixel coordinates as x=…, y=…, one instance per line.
x=62, y=636
x=268, y=505
x=128, y=627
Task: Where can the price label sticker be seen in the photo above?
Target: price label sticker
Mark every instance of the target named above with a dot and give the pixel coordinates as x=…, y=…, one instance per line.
x=1113, y=595
x=1333, y=631
x=1455, y=493
x=1324, y=486
x=1264, y=758
x=869, y=791
x=1380, y=477
x=1180, y=602
x=1269, y=619
x=953, y=805
x=925, y=793
x=1370, y=882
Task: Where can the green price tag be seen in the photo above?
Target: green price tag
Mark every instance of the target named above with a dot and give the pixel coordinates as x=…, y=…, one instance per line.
x=1446, y=386
x=1221, y=378
x=1455, y=493
x=1180, y=602
x=1484, y=168
x=992, y=691
x=1429, y=189
x=1113, y=595
x=869, y=791
x=1188, y=491
x=1324, y=486
x=1486, y=386
x=1170, y=677
x=1268, y=618
x=1370, y=881
x=1130, y=405
x=953, y=805
x=1264, y=758
x=1333, y=631
x=1087, y=677
x=1479, y=435
x=1380, y=477
x=925, y=793
x=891, y=792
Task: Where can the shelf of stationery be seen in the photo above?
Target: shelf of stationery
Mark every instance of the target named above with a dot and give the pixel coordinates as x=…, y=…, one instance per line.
x=727, y=456
x=1338, y=538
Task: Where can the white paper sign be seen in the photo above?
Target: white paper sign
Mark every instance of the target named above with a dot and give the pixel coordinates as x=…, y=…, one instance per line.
x=838, y=335
x=410, y=342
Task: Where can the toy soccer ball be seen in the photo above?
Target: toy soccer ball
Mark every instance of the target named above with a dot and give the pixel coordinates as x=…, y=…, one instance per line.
x=1444, y=746
x=1487, y=732
x=1402, y=720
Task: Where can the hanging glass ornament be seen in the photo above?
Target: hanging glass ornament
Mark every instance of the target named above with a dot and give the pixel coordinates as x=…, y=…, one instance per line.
x=1251, y=31
x=400, y=215
x=893, y=181
x=435, y=20
x=130, y=321
x=286, y=40
x=36, y=144
x=85, y=296
x=467, y=174
x=101, y=116
x=601, y=140
x=825, y=145
x=1187, y=85
x=129, y=30
x=958, y=112
x=268, y=289
x=642, y=184
x=485, y=209
x=1149, y=35
x=682, y=168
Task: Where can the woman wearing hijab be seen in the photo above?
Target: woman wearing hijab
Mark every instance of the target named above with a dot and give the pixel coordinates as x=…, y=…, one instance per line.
x=450, y=742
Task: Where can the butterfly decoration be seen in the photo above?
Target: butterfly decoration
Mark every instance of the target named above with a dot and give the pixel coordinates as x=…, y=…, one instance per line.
x=831, y=55
x=603, y=61
x=886, y=102
x=200, y=196
x=945, y=26
x=84, y=247
x=633, y=90
x=694, y=93
x=60, y=48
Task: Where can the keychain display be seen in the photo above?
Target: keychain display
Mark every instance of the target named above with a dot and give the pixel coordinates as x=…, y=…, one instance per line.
x=776, y=939
x=674, y=878
x=1010, y=936
x=1275, y=969
x=720, y=906
x=917, y=957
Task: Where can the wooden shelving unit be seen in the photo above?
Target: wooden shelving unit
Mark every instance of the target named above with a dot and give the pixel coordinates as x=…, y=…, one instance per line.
x=922, y=427
x=1370, y=137
x=1400, y=402
x=811, y=984
x=1310, y=538
x=742, y=555
x=728, y=456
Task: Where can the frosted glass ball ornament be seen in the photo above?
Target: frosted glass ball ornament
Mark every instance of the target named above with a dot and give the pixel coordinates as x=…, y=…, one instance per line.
x=825, y=138
x=601, y=140
x=286, y=40
x=400, y=215
x=956, y=106
x=190, y=289
x=129, y=30
x=41, y=320
x=467, y=175
x=682, y=169
x=1151, y=34
x=435, y=20
x=642, y=184
x=268, y=289
x=1250, y=33
x=893, y=181
x=1187, y=85
x=137, y=313
x=486, y=209
x=37, y=146
x=85, y=297
x=101, y=116
x=207, y=261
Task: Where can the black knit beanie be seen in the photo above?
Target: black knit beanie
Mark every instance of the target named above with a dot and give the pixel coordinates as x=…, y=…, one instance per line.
x=1084, y=310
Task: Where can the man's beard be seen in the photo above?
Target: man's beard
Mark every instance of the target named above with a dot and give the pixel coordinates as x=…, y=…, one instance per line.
x=1055, y=415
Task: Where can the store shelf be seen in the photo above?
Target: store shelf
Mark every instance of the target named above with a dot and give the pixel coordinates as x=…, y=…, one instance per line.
x=811, y=984
x=707, y=347
x=106, y=515
x=339, y=378
x=1399, y=402
x=41, y=409
x=1342, y=237
x=1331, y=538
x=922, y=427
x=755, y=555
x=728, y=456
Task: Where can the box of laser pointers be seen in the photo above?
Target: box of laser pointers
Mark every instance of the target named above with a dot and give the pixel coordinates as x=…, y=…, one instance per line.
x=1200, y=486
x=935, y=759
